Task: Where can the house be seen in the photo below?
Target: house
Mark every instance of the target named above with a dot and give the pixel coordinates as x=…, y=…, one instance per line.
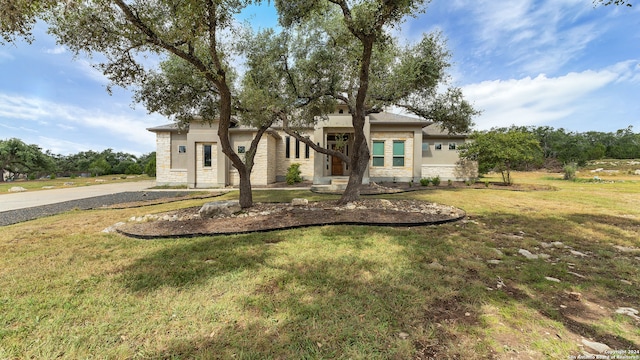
x=402, y=149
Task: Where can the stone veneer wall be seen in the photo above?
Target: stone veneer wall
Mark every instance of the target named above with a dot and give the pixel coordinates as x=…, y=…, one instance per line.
x=164, y=174
x=388, y=172
x=263, y=172
x=206, y=176
x=282, y=163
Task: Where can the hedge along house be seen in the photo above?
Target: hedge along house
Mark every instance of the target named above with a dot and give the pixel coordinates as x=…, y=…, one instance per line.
x=401, y=150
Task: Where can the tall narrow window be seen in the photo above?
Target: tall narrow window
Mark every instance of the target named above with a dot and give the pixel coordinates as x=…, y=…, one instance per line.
x=207, y=156
x=306, y=151
x=297, y=149
x=398, y=153
x=378, y=153
x=287, y=147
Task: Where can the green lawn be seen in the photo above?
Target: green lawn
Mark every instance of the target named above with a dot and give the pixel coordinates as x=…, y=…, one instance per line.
x=346, y=292
x=59, y=183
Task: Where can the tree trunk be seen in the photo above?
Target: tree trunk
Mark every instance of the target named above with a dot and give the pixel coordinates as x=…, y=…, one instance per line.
x=246, y=196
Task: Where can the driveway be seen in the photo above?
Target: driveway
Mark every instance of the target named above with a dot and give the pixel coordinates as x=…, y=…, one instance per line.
x=29, y=199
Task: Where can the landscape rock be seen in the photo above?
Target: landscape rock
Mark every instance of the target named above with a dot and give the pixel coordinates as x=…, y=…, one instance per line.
x=48, y=187
x=625, y=249
x=596, y=346
x=113, y=228
x=637, y=172
x=494, y=262
x=17, y=189
x=69, y=183
x=299, y=202
x=527, y=254
x=549, y=278
x=216, y=208
x=633, y=313
x=578, y=253
x=436, y=265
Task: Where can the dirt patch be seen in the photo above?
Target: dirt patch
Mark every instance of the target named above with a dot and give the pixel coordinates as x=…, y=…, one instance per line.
x=278, y=216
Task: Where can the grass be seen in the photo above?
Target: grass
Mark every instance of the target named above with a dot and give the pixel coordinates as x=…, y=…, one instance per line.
x=360, y=292
x=62, y=182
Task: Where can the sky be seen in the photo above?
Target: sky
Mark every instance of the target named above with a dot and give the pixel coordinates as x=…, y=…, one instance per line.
x=560, y=63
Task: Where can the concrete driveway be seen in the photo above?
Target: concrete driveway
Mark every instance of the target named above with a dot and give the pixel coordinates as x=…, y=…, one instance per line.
x=27, y=199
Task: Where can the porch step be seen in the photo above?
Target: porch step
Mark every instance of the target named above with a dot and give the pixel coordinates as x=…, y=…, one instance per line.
x=340, y=181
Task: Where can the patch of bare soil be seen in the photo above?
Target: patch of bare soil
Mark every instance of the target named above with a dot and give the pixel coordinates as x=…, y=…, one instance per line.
x=278, y=216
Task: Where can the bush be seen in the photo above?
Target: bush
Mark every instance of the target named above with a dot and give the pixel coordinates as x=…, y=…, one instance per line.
x=52, y=176
x=435, y=180
x=569, y=171
x=425, y=181
x=150, y=168
x=294, y=174
x=449, y=182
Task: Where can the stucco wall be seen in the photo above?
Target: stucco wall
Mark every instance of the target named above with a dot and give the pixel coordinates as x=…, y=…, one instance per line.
x=388, y=171
x=262, y=173
x=431, y=155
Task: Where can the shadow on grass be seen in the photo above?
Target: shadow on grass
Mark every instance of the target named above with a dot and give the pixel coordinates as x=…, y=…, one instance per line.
x=407, y=292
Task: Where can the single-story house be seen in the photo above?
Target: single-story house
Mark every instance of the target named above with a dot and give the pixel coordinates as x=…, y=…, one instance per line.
x=402, y=149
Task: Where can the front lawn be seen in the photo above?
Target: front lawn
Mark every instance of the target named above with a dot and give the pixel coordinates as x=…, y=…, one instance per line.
x=462, y=290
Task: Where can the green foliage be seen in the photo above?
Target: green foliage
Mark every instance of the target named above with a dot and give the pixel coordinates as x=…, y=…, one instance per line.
x=150, y=167
x=570, y=171
x=18, y=158
x=293, y=174
x=100, y=167
x=435, y=180
x=502, y=151
x=425, y=181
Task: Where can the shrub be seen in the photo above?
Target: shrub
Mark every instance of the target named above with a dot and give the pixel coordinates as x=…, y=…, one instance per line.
x=52, y=176
x=425, y=181
x=293, y=174
x=449, y=182
x=486, y=183
x=569, y=171
x=150, y=168
x=435, y=180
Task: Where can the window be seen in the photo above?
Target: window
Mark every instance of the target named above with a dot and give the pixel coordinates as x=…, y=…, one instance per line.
x=287, y=147
x=438, y=146
x=398, y=153
x=207, y=156
x=297, y=149
x=306, y=152
x=182, y=149
x=378, y=153
x=425, y=146
x=241, y=150
x=452, y=146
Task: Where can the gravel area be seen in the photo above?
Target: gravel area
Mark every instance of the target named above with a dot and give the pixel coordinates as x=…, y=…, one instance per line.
x=97, y=202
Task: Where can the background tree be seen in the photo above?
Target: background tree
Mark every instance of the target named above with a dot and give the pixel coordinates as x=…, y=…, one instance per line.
x=502, y=151
x=344, y=51
x=18, y=158
x=197, y=33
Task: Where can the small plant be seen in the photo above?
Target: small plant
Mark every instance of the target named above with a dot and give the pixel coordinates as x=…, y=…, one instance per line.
x=411, y=183
x=73, y=176
x=52, y=176
x=486, y=183
x=293, y=174
x=435, y=180
x=425, y=181
x=449, y=183
x=569, y=171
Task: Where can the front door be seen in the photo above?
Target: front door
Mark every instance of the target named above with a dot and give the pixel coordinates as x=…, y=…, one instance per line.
x=336, y=164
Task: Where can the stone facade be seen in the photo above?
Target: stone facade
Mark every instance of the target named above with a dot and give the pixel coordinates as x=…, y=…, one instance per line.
x=389, y=172
x=271, y=163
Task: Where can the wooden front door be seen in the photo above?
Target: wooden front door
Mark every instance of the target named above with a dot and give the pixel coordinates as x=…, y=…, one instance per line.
x=336, y=166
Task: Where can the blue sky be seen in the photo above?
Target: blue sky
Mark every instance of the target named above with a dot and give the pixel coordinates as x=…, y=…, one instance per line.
x=560, y=63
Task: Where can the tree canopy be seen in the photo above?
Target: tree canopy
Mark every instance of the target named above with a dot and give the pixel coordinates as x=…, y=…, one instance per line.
x=502, y=151
x=17, y=158
x=343, y=52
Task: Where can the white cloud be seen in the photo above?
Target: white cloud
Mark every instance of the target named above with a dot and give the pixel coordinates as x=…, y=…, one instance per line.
x=56, y=51
x=534, y=101
x=126, y=127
